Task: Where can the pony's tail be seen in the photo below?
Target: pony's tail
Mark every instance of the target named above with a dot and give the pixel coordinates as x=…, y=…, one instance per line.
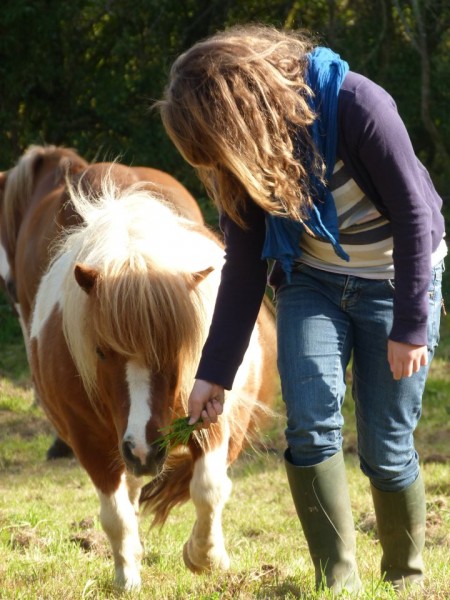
x=169, y=489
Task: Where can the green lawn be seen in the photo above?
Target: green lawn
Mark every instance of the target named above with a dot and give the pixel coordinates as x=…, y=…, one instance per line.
x=52, y=547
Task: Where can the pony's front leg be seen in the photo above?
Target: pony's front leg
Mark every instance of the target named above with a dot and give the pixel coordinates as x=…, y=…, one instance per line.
x=119, y=520
x=210, y=488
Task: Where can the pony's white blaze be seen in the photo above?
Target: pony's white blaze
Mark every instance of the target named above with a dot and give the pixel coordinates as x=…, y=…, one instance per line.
x=119, y=520
x=138, y=379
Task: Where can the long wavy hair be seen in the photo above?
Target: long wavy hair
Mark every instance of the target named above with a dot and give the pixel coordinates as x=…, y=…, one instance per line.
x=233, y=105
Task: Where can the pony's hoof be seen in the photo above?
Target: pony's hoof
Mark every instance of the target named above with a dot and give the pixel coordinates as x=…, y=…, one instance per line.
x=128, y=584
x=128, y=581
x=208, y=564
x=187, y=561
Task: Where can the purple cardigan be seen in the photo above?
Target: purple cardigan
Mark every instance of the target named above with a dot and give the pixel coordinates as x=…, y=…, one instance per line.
x=377, y=151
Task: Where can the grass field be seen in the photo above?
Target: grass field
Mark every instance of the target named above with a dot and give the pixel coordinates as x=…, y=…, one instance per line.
x=52, y=547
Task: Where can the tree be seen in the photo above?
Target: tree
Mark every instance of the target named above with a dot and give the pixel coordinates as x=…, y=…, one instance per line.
x=427, y=26
x=85, y=74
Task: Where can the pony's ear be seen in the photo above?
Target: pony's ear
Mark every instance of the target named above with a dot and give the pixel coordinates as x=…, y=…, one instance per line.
x=199, y=276
x=85, y=276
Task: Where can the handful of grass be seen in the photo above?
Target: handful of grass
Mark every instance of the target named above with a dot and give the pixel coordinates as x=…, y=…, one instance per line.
x=177, y=433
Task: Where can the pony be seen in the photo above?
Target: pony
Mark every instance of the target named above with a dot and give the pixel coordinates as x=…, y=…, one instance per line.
x=119, y=321
x=35, y=210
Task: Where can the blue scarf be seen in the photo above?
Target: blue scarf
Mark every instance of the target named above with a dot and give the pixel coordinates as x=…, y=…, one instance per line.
x=325, y=75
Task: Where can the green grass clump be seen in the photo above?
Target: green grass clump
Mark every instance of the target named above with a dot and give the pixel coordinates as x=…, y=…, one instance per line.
x=178, y=433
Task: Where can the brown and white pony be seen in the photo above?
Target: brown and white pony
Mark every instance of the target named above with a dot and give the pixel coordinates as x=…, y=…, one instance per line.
x=32, y=201
x=119, y=321
x=35, y=210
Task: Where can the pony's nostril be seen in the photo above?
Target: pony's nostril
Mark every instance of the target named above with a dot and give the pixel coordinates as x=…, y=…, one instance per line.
x=127, y=450
x=139, y=461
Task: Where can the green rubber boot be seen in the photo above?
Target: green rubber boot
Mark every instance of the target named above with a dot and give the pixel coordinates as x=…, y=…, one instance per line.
x=322, y=501
x=401, y=530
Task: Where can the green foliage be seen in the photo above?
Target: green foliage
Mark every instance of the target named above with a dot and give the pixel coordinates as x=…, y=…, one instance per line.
x=85, y=74
x=13, y=358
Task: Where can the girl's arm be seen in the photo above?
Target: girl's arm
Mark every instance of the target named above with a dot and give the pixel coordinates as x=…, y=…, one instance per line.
x=241, y=291
x=382, y=154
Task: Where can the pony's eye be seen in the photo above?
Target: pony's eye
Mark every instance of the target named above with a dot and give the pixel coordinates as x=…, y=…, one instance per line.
x=100, y=353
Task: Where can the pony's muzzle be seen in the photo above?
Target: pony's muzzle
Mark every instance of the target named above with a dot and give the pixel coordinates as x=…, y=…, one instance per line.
x=142, y=461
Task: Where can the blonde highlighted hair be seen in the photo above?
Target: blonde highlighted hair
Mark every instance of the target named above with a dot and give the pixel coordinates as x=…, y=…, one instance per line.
x=232, y=107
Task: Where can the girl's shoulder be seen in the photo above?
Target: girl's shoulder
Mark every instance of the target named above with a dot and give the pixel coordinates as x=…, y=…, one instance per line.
x=358, y=92
x=367, y=112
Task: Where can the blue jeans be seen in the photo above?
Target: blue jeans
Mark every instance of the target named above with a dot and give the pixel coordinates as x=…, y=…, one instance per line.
x=322, y=320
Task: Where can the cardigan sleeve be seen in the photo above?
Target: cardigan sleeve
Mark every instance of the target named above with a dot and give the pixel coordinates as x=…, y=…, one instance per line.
x=241, y=291
x=384, y=161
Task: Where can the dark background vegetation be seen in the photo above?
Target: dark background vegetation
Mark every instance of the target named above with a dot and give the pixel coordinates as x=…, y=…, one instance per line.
x=84, y=74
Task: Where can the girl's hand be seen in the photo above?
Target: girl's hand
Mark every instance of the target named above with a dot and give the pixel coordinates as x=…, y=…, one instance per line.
x=205, y=402
x=406, y=359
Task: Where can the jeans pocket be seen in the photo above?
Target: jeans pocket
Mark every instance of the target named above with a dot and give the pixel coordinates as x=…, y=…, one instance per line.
x=390, y=285
x=435, y=289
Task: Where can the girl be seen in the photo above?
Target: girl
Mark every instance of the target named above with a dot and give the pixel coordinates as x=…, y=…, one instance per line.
x=310, y=165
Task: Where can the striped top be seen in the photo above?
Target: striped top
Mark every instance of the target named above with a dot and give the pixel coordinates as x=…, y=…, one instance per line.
x=364, y=234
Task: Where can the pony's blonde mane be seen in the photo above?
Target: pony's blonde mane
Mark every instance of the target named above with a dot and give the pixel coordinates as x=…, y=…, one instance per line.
x=20, y=183
x=145, y=303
